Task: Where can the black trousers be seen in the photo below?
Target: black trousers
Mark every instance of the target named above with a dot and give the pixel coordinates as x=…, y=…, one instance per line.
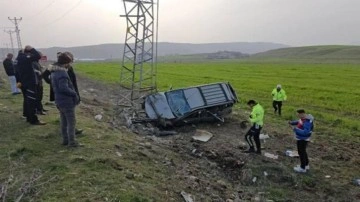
x=51, y=94
x=30, y=105
x=254, y=133
x=277, y=106
x=301, y=146
x=39, y=97
x=23, y=90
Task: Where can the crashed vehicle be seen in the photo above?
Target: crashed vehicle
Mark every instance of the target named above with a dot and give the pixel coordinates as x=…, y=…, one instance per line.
x=209, y=102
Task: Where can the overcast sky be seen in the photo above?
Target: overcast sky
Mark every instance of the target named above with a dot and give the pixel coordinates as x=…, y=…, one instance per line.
x=48, y=23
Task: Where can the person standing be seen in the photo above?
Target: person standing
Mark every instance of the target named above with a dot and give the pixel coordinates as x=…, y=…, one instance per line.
x=279, y=96
x=47, y=77
x=39, y=87
x=257, y=121
x=72, y=74
x=303, y=130
x=73, y=80
x=18, y=84
x=10, y=71
x=66, y=98
x=28, y=79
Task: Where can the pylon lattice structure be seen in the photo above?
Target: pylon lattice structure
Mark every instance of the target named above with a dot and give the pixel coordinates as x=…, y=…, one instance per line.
x=17, y=30
x=138, y=72
x=10, y=32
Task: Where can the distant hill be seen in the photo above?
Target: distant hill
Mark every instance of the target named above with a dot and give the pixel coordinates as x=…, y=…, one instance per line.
x=115, y=51
x=200, y=57
x=331, y=53
x=226, y=55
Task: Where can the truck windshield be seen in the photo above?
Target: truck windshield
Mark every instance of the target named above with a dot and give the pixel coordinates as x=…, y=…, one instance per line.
x=177, y=102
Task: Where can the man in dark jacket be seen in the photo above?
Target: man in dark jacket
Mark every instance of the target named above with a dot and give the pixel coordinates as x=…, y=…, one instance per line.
x=10, y=71
x=28, y=79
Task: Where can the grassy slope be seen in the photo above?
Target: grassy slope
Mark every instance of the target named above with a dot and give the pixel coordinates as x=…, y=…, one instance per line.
x=334, y=54
x=92, y=173
x=322, y=54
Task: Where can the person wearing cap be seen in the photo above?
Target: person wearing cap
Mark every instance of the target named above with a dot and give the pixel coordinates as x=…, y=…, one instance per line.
x=10, y=72
x=257, y=121
x=66, y=98
x=47, y=77
x=279, y=96
x=72, y=76
x=302, y=130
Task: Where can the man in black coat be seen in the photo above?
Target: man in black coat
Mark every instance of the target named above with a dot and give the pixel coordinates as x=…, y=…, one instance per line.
x=28, y=82
x=10, y=71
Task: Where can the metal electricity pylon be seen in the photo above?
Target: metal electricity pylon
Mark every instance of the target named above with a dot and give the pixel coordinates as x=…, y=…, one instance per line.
x=10, y=32
x=138, y=72
x=17, y=30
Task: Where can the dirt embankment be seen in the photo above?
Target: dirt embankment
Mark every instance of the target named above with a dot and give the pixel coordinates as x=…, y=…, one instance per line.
x=219, y=170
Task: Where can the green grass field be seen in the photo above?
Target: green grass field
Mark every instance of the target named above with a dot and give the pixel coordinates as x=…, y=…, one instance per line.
x=328, y=91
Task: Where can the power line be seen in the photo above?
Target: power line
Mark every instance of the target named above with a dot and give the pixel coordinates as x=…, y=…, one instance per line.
x=41, y=11
x=67, y=12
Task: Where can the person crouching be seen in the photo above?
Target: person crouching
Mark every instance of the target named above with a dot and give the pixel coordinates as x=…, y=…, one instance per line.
x=66, y=98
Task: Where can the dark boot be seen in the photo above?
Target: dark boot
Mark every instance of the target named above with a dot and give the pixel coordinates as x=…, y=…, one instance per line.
x=65, y=142
x=250, y=150
x=74, y=144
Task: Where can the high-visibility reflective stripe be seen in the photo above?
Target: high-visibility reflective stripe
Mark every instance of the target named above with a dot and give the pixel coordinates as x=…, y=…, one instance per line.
x=31, y=97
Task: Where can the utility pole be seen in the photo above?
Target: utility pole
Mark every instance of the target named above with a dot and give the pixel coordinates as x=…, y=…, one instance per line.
x=138, y=72
x=3, y=50
x=7, y=48
x=17, y=30
x=10, y=32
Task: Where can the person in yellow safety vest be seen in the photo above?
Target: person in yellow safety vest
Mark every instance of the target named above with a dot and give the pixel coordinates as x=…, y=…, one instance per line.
x=279, y=96
x=257, y=121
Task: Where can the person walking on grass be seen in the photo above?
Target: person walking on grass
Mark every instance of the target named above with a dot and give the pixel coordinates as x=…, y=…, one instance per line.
x=303, y=130
x=279, y=96
x=66, y=98
x=257, y=121
x=10, y=71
